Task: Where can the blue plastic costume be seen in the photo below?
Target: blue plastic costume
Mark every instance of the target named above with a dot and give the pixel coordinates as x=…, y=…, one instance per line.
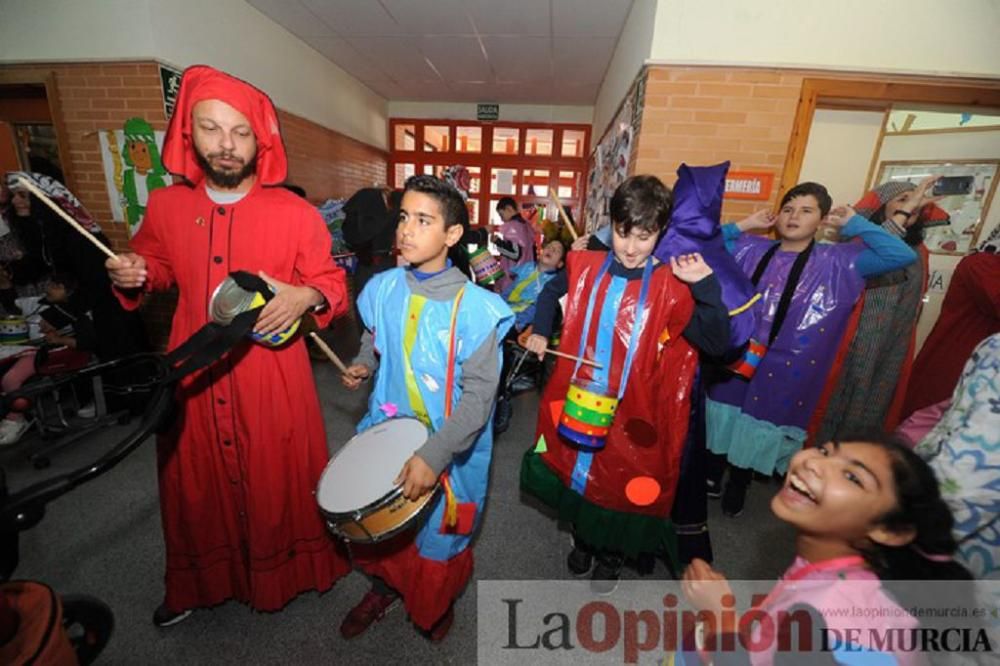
x=523, y=291
x=414, y=337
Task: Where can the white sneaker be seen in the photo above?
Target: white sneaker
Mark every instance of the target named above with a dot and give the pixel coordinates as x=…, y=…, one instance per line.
x=11, y=431
x=88, y=411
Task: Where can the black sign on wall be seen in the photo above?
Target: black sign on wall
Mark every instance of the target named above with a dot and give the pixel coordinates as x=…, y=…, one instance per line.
x=170, y=81
x=487, y=112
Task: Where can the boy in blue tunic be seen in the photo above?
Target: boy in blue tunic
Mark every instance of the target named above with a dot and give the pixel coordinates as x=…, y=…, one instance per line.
x=429, y=334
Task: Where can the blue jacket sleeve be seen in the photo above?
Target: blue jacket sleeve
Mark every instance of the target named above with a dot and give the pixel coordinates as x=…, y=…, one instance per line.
x=884, y=252
x=730, y=232
x=547, y=305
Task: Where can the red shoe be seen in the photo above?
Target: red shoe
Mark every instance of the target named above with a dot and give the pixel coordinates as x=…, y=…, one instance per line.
x=372, y=608
x=440, y=630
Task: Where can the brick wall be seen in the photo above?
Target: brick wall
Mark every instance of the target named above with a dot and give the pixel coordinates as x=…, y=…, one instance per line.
x=706, y=115
x=99, y=96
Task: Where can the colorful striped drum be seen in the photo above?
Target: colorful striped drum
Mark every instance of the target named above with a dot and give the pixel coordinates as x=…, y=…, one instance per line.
x=587, y=416
x=747, y=365
x=230, y=299
x=485, y=266
x=13, y=331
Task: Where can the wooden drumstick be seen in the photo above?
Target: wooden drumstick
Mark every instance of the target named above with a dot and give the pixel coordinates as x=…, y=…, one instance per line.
x=585, y=361
x=564, y=216
x=28, y=185
x=329, y=352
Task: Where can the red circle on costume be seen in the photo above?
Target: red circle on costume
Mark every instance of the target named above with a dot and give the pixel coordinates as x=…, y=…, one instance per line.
x=642, y=490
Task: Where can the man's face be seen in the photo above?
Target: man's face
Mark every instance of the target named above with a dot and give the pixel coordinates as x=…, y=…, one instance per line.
x=224, y=142
x=799, y=218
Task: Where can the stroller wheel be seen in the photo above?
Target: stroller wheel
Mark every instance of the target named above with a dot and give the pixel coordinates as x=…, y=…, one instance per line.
x=88, y=623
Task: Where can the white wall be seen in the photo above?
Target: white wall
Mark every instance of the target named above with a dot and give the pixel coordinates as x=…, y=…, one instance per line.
x=956, y=146
x=520, y=113
x=228, y=34
x=921, y=36
x=630, y=54
x=840, y=150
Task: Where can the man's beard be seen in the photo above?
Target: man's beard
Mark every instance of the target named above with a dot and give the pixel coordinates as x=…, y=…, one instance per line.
x=226, y=179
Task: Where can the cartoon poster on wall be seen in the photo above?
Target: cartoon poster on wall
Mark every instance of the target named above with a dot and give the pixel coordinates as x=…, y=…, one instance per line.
x=132, y=169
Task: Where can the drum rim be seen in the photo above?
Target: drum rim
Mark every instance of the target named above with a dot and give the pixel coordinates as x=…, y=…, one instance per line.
x=359, y=514
x=378, y=502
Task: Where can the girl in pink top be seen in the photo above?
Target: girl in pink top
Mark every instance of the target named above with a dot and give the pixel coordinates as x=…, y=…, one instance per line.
x=865, y=511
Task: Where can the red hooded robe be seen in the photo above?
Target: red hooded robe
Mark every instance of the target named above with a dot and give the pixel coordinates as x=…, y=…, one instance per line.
x=239, y=466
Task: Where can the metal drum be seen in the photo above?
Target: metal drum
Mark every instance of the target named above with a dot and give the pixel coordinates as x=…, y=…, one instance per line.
x=230, y=299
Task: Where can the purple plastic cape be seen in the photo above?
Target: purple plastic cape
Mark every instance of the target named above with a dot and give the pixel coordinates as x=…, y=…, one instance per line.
x=694, y=227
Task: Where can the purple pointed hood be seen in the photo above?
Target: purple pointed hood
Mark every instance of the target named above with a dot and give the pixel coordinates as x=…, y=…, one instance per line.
x=694, y=227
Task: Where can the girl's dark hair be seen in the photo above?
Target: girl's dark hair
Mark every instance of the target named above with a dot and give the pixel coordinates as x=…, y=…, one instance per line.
x=919, y=507
x=641, y=201
x=914, y=233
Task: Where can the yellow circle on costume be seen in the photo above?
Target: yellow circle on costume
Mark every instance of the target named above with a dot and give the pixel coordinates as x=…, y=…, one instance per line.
x=642, y=490
x=597, y=402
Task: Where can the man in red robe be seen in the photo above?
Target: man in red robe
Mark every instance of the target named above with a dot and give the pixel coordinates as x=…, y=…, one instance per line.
x=238, y=468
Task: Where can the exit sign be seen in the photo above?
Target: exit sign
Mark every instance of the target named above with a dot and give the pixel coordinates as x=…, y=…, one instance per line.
x=749, y=185
x=487, y=112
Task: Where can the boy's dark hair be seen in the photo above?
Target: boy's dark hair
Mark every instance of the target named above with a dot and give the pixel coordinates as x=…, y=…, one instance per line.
x=505, y=202
x=453, y=208
x=920, y=508
x=67, y=280
x=814, y=190
x=643, y=202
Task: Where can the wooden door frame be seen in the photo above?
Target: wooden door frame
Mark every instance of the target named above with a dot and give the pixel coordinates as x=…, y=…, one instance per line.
x=974, y=93
x=47, y=78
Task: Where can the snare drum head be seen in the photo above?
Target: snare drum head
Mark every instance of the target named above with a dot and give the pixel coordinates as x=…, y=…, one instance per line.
x=363, y=471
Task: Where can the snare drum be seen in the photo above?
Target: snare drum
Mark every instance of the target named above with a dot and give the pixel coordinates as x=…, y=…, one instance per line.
x=356, y=492
x=13, y=331
x=485, y=266
x=587, y=415
x=230, y=299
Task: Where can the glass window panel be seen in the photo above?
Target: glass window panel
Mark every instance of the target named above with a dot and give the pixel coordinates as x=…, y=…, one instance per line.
x=469, y=139
x=436, y=138
x=535, y=182
x=475, y=178
x=473, y=206
x=572, y=143
x=569, y=182
x=495, y=218
x=405, y=137
x=503, y=181
x=505, y=140
x=538, y=142
x=404, y=171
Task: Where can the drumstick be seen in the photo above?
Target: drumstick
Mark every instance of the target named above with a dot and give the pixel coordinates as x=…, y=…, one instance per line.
x=329, y=352
x=585, y=361
x=76, y=225
x=564, y=216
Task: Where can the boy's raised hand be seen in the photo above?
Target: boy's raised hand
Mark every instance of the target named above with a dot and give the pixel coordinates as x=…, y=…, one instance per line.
x=355, y=374
x=839, y=216
x=416, y=478
x=690, y=268
x=580, y=243
x=761, y=219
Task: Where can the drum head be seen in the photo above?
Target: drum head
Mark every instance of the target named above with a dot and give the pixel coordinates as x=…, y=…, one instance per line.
x=364, y=470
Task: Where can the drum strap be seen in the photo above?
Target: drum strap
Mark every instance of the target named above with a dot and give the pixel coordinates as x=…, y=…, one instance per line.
x=450, y=502
x=633, y=342
x=212, y=341
x=788, y=292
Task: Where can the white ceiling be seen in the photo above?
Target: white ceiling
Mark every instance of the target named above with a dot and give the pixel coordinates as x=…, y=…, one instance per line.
x=513, y=51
